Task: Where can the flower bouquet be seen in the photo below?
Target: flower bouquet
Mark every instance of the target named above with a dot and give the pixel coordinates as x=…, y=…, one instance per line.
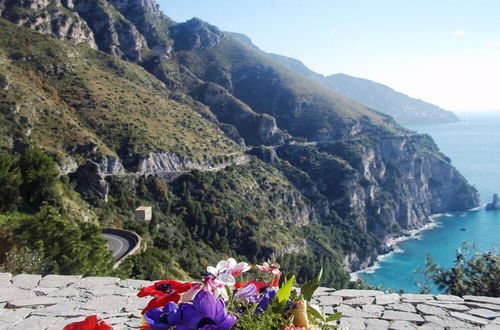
x=220, y=302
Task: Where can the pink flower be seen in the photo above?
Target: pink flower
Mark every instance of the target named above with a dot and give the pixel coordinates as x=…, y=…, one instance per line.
x=273, y=269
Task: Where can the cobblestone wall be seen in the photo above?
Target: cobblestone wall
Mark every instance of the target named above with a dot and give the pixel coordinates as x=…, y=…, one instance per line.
x=51, y=302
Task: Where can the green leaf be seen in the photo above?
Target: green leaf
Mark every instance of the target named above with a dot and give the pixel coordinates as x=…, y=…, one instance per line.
x=284, y=293
x=308, y=289
x=311, y=311
x=333, y=317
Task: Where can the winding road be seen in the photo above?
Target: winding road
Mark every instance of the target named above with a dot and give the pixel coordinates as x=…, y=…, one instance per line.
x=120, y=242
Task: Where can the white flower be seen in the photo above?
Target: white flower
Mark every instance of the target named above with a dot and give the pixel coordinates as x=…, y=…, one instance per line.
x=230, y=265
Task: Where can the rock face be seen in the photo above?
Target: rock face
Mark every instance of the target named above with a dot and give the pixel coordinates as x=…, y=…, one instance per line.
x=385, y=184
x=60, y=22
x=52, y=302
x=195, y=34
x=254, y=128
x=494, y=205
x=113, y=33
x=91, y=181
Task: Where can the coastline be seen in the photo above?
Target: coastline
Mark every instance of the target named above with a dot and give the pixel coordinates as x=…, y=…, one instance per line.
x=393, y=242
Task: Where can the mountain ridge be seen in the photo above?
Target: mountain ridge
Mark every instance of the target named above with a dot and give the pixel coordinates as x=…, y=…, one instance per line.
x=326, y=181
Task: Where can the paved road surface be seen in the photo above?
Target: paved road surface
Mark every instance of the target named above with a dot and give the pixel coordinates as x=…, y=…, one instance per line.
x=120, y=243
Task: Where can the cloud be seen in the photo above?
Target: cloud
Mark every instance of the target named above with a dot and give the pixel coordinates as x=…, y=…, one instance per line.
x=459, y=33
x=493, y=44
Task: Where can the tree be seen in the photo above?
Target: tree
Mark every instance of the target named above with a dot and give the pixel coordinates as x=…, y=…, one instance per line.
x=39, y=177
x=70, y=249
x=473, y=273
x=10, y=180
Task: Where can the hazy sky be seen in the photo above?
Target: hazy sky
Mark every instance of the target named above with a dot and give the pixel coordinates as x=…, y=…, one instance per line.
x=445, y=52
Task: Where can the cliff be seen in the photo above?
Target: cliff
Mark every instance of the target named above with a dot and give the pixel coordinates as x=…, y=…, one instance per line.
x=142, y=110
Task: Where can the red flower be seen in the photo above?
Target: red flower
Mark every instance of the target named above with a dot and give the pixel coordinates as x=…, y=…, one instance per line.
x=165, y=291
x=90, y=323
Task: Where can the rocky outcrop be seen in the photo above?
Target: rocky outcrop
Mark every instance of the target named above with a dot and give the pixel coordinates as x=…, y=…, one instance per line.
x=195, y=34
x=60, y=22
x=114, y=34
x=254, y=128
x=110, y=165
x=91, y=181
x=150, y=22
x=389, y=186
x=161, y=162
x=494, y=205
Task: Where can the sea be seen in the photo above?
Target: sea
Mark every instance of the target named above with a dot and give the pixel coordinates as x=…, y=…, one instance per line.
x=474, y=148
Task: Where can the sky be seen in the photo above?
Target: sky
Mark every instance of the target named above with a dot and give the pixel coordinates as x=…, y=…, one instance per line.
x=445, y=52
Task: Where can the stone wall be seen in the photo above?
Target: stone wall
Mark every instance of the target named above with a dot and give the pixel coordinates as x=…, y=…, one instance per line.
x=51, y=302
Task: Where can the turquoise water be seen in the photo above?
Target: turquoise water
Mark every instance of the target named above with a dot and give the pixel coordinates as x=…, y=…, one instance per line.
x=474, y=147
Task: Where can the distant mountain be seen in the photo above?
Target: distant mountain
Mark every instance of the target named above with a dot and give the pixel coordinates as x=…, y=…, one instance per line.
x=404, y=109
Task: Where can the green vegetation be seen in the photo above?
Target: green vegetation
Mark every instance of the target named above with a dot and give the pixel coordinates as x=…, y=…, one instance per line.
x=40, y=237
x=100, y=102
x=473, y=273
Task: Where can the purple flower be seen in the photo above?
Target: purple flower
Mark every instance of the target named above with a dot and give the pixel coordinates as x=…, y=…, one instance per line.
x=159, y=319
x=267, y=296
x=206, y=312
x=247, y=294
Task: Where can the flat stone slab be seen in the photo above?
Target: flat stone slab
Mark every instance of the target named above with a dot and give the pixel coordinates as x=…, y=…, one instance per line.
x=10, y=293
x=348, y=293
x=58, y=281
x=469, y=318
x=5, y=279
x=95, y=282
x=401, y=316
x=330, y=300
x=26, y=281
x=450, y=307
x=33, y=302
x=352, y=323
x=447, y=297
x=135, y=284
x=487, y=300
x=402, y=307
x=484, y=313
x=106, y=304
x=430, y=310
x=492, y=307
x=416, y=298
x=376, y=324
x=447, y=321
x=431, y=326
x=402, y=325
x=359, y=301
x=374, y=310
x=349, y=311
x=387, y=299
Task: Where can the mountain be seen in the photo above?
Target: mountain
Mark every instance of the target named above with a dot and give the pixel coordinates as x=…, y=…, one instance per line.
x=404, y=109
x=238, y=154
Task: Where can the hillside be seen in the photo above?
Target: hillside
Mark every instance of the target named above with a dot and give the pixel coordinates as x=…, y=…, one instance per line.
x=237, y=154
x=404, y=109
